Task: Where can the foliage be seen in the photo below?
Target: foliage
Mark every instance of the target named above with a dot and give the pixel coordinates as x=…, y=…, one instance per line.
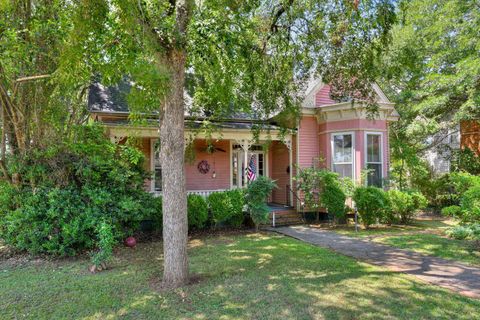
x=459, y=232
x=106, y=242
x=403, y=205
x=67, y=191
x=431, y=72
x=227, y=207
x=197, y=209
x=256, y=199
x=323, y=188
x=33, y=290
x=452, y=211
x=237, y=203
x=470, y=204
x=371, y=203
x=466, y=160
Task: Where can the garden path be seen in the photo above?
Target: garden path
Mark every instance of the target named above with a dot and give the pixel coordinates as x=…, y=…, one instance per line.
x=449, y=274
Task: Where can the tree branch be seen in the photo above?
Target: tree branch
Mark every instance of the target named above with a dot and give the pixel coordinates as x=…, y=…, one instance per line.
x=282, y=8
x=33, y=78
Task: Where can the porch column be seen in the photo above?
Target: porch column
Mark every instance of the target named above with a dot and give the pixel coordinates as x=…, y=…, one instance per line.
x=245, y=144
x=288, y=144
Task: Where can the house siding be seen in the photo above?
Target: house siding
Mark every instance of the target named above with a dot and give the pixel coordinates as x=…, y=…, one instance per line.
x=219, y=163
x=308, y=146
x=322, y=97
x=470, y=135
x=280, y=153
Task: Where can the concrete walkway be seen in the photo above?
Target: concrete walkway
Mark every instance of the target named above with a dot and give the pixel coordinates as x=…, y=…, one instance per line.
x=452, y=275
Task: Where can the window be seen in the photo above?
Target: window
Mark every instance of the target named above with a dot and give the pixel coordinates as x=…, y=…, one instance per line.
x=374, y=159
x=156, y=166
x=342, y=154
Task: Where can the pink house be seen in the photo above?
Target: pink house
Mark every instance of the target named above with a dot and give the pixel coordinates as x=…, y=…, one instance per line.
x=336, y=135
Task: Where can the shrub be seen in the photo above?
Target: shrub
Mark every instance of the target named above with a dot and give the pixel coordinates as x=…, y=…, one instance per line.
x=71, y=189
x=105, y=244
x=371, y=203
x=237, y=203
x=256, y=199
x=227, y=207
x=333, y=199
x=459, y=232
x=403, y=205
x=470, y=204
x=197, y=211
x=452, y=211
x=331, y=190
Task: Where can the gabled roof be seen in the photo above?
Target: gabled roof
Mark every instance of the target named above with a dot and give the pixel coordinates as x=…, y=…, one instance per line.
x=318, y=95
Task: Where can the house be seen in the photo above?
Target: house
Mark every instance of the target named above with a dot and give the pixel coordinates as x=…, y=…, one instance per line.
x=337, y=135
x=470, y=135
x=465, y=135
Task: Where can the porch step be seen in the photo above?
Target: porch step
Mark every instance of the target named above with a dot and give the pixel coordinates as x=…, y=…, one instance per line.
x=286, y=217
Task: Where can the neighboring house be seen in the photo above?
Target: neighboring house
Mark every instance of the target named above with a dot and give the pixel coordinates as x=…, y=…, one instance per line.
x=439, y=156
x=470, y=135
x=337, y=132
x=465, y=135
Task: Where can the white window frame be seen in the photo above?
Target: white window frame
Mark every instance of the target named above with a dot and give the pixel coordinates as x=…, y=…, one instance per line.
x=332, y=153
x=365, y=162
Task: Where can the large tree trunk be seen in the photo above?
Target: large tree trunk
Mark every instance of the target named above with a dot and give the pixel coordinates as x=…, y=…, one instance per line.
x=175, y=227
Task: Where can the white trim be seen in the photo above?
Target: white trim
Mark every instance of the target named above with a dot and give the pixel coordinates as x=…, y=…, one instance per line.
x=365, y=155
x=353, y=129
x=231, y=164
x=332, y=154
x=152, y=163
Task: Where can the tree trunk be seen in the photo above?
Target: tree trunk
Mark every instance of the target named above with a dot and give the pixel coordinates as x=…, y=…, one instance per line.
x=175, y=227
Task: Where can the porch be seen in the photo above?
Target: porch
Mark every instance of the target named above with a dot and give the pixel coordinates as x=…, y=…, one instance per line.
x=220, y=163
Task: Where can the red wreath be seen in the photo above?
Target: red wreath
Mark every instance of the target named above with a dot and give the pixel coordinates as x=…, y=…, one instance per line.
x=203, y=167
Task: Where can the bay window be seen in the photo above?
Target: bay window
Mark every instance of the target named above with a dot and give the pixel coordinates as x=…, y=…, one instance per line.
x=373, y=158
x=343, y=154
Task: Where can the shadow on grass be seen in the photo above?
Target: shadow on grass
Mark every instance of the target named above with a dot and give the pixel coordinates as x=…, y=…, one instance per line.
x=258, y=276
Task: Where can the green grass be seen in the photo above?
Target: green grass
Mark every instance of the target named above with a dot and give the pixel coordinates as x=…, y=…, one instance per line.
x=242, y=277
x=423, y=236
x=435, y=245
x=434, y=226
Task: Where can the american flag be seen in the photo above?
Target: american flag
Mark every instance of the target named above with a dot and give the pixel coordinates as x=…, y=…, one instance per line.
x=251, y=170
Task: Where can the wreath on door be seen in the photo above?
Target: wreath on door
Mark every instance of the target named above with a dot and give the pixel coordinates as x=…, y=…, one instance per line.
x=203, y=167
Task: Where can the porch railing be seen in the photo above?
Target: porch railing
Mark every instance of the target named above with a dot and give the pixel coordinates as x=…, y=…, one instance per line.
x=203, y=193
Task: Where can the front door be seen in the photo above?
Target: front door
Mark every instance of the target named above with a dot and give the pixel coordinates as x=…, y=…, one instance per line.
x=255, y=165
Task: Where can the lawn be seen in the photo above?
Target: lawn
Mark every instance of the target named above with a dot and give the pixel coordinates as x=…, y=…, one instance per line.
x=425, y=236
x=249, y=276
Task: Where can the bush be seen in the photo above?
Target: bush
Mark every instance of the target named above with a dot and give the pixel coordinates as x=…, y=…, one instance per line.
x=69, y=190
x=452, y=211
x=237, y=203
x=227, y=207
x=197, y=210
x=256, y=199
x=459, y=232
x=403, y=205
x=470, y=204
x=331, y=189
x=371, y=203
x=106, y=242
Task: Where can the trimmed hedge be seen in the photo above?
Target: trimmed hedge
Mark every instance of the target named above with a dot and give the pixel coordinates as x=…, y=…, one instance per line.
x=197, y=210
x=227, y=207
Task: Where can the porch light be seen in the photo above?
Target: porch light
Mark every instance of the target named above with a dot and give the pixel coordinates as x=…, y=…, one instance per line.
x=214, y=174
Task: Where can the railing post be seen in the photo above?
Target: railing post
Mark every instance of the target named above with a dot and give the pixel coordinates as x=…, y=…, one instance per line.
x=273, y=219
